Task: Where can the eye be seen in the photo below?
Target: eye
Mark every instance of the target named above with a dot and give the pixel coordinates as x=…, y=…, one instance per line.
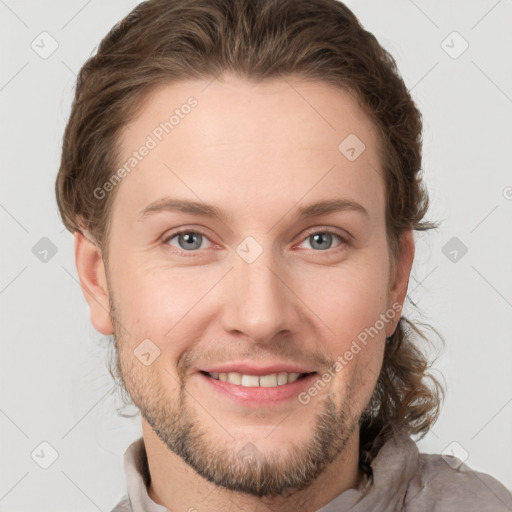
x=188, y=240
x=322, y=240
x=191, y=241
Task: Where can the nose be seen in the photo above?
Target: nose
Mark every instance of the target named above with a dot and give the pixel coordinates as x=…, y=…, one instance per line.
x=259, y=302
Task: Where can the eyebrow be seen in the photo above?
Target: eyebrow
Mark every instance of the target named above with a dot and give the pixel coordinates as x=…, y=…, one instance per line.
x=198, y=208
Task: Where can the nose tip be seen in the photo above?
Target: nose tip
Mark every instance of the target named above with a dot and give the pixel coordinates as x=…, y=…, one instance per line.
x=259, y=304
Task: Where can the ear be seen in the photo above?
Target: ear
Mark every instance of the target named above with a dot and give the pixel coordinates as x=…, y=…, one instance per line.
x=399, y=279
x=91, y=271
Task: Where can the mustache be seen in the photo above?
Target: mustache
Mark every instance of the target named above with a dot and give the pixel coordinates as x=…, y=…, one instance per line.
x=288, y=352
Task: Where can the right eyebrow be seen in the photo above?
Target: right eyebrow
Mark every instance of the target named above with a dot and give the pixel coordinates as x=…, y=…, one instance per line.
x=185, y=206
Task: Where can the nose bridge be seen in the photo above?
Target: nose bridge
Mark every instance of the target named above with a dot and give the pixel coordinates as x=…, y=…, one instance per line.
x=259, y=303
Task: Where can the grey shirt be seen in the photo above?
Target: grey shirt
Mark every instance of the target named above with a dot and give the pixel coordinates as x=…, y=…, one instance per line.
x=403, y=480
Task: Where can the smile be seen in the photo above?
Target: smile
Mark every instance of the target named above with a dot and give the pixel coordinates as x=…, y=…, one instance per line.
x=258, y=390
x=251, y=381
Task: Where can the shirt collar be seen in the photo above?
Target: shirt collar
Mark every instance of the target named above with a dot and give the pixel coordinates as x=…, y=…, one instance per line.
x=137, y=478
x=393, y=467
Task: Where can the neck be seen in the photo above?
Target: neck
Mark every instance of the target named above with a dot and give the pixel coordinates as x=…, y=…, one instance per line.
x=176, y=486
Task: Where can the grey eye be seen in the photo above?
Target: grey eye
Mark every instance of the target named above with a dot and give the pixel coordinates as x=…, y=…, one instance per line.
x=188, y=240
x=322, y=240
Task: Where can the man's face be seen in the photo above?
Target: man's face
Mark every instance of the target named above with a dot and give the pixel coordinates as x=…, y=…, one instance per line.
x=260, y=291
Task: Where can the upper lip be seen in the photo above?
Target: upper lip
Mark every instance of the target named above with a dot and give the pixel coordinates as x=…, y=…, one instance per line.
x=252, y=369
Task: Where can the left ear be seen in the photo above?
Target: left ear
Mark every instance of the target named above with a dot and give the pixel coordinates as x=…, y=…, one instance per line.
x=399, y=279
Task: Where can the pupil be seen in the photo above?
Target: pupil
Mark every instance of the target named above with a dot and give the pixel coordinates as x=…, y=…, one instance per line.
x=321, y=237
x=190, y=242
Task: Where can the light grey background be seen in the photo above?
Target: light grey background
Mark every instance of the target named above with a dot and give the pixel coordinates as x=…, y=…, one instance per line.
x=54, y=384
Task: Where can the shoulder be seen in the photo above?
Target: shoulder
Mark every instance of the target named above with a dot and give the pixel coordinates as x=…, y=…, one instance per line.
x=453, y=485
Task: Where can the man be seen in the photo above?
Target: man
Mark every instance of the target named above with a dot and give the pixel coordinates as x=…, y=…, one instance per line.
x=241, y=178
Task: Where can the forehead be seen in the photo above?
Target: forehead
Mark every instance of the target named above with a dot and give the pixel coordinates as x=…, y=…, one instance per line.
x=237, y=108
x=280, y=137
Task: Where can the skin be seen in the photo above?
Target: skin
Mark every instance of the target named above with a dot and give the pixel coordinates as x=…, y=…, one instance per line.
x=258, y=152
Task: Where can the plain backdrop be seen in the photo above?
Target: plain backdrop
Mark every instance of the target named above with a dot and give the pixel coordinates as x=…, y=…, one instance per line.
x=455, y=58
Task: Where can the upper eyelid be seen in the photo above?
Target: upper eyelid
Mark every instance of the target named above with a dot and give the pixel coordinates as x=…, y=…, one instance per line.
x=345, y=239
x=346, y=235
x=166, y=237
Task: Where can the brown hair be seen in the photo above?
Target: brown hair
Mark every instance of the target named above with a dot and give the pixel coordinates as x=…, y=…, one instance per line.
x=161, y=41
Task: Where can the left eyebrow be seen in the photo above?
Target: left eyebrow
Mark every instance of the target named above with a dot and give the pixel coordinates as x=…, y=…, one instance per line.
x=198, y=208
x=331, y=206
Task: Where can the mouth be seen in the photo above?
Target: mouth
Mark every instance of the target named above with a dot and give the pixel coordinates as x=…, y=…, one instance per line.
x=257, y=390
x=252, y=381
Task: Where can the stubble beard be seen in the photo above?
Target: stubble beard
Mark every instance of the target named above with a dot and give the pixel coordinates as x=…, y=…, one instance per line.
x=235, y=465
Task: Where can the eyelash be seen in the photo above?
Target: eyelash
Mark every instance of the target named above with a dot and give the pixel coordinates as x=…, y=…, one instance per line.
x=344, y=240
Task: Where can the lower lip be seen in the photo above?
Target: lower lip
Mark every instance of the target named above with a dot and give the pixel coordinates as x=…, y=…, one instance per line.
x=259, y=395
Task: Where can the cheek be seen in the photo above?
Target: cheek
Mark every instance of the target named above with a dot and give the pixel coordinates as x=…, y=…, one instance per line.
x=157, y=302
x=348, y=299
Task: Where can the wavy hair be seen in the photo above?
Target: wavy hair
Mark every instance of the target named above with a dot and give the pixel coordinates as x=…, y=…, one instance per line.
x=163, y=41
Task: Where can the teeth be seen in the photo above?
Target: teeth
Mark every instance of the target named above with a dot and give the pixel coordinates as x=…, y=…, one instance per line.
x=282, y=378
x=234, y=378
x=266, y=381
x=250, y=381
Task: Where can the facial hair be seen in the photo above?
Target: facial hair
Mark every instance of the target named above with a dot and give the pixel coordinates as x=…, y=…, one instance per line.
x=237, y=465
